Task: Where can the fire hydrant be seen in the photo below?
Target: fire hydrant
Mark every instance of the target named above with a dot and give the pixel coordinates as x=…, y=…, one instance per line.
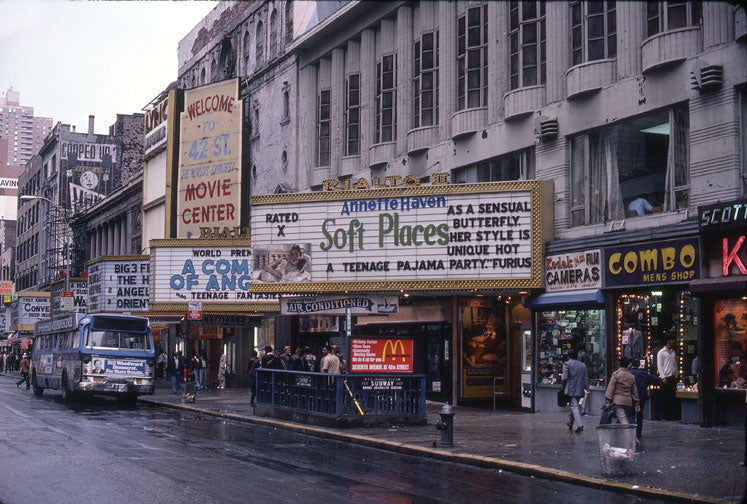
x=446, y=425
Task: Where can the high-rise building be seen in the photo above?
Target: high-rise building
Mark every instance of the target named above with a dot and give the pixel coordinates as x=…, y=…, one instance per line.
x=21, y=136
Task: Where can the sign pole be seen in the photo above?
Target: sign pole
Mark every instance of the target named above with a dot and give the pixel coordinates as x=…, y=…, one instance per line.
x=348, y=334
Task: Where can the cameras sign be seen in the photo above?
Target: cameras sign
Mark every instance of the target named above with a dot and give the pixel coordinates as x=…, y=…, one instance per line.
x=209, y=192
x=379, y=355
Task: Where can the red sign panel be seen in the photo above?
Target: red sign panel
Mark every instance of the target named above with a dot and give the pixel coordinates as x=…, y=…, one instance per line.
x=381, y=355
x=194, y=310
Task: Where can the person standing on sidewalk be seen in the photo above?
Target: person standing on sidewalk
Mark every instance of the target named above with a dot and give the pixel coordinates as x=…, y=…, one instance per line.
x=25, y=366
x=666, y=363
x=575, y=382
x=642, y=381
x=254, y=364
x=161, y=365
x=622, y=392
x=331, y=364
x=196, y=370
x=222, y=372
x=174, y=369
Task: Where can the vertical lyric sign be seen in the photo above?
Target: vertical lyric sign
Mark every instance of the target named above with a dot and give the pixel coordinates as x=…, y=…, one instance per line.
x=209, y=189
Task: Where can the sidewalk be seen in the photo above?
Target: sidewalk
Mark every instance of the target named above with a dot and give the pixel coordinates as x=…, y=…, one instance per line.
x=678, y=462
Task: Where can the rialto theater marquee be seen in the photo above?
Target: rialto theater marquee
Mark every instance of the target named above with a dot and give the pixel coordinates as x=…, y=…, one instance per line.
x=461, y=236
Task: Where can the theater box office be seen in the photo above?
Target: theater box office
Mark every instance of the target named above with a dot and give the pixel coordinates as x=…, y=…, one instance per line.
x=218, y=273
x=570, y=315
x=648, y=303
x=722, y=292
x=447, y=252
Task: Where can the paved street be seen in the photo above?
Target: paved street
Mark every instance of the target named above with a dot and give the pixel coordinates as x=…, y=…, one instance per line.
x=97, y=449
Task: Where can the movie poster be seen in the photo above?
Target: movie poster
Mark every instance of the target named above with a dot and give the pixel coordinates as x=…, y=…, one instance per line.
x=484, y=357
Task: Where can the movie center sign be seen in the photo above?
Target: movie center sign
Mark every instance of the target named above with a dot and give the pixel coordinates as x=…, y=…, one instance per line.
x=337, y=305
x=447, y=237
x=380, y=355
x=574, y=271
x=195, y=273
x=119, y=284
x=209, y=187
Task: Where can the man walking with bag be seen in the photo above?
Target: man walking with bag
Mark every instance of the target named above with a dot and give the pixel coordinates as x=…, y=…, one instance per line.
x=575, y=383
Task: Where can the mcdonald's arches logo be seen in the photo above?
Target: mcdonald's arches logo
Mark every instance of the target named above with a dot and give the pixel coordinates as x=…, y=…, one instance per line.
x=381, y=355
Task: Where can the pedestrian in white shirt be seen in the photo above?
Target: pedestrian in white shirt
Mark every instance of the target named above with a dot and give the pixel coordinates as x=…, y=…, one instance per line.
x=666, y=364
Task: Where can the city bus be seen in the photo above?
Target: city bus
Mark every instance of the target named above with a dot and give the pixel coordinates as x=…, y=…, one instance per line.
x=107, y=354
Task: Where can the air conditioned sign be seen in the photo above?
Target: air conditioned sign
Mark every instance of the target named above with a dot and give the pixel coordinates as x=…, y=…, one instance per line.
x=215, y=274
x=119, y=284
x=209, y=190
x=652, y=263
x=448, y=239
x=379, y=355
x=331, y=305
x=573, y=271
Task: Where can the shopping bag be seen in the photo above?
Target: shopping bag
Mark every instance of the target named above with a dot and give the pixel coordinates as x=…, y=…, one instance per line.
x=607, y=415
x=583, y=403
x=563, y=399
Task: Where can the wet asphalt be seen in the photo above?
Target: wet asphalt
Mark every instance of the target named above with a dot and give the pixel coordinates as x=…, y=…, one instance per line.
x=100, y=451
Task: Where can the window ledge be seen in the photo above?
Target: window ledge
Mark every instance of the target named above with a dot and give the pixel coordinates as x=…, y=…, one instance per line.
x=320, y=174
x=349, y=165
x=469, y=121
x=670, y=47
x=381, y=153
x=524, y=101
x=420, y=139
x=590, y=76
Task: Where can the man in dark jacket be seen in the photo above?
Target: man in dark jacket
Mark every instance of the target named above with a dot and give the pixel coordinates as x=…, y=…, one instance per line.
x=575, y=383
x=642, y=381
x=270, y=361
x=175, y=368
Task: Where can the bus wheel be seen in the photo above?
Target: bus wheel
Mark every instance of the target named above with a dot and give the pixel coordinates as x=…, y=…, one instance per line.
x=67, y=394
x=38, y=391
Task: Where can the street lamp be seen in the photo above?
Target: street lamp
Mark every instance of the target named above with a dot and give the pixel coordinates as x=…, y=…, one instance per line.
x=66, y=258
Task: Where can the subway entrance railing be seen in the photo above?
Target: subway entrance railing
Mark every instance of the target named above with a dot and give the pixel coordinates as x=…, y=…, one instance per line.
x=340, y=400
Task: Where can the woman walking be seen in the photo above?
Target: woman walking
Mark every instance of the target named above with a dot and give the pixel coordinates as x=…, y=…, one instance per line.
x=622, y=392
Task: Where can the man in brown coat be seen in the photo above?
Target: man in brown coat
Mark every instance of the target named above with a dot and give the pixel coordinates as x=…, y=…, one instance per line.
x=622, y=392
x=25, y=366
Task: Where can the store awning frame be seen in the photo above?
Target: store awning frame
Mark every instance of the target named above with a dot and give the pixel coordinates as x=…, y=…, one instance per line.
x=735, y=284
x=579, y=297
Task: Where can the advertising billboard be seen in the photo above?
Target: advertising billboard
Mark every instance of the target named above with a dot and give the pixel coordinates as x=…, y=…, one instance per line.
x=119, y=284
x=209, y=182
x=574, y=271
x=439, y=237
x=381, y=355
x=652, y=263
x=79, y=287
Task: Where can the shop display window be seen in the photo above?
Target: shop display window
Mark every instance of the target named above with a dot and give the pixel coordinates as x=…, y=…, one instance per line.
x=559, y=331
x=730, y=319
x=646, y=320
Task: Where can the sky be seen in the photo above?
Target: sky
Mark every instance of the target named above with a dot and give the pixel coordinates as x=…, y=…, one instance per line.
x=69, y=59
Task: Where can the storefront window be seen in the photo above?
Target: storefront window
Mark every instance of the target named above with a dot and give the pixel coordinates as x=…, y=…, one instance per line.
x=730, y=317
x=563, y=330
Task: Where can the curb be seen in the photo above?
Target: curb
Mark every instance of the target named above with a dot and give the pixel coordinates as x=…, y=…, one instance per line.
x=459, y=458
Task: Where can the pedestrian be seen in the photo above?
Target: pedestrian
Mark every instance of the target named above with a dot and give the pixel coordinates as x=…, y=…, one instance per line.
x=222, y=372
x=2, y=363
x=25, y=366
x=336, y=350
x=575, y=382
x=666, y=364
x=297, y=362
x=271, y=360
x=175, y=368
x=286, y=356
x=196, y=370
x=310, y=358
x=203, y=370
x=331, y=363
x=622, y=393
x=161, y=365
x=642, y=381
x=254, y=364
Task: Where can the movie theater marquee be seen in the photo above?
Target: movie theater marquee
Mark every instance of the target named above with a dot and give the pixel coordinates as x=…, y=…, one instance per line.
x=446, y=237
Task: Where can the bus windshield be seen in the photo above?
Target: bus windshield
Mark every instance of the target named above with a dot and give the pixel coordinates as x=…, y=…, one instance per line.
x=117, y=340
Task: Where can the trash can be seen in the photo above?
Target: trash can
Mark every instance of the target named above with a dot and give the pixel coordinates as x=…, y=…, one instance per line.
x=617, y=449
x=190, y=392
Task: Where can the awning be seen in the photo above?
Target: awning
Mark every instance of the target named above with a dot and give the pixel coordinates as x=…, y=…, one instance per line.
x=736, y=284
x=586, y=296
